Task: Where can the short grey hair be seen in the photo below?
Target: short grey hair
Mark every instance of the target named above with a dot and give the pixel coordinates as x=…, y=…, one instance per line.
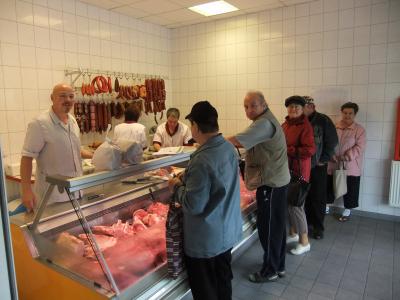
x=173, y=112
x=259, y=95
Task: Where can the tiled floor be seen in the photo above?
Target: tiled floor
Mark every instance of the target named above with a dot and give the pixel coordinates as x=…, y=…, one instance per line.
x=359, y=259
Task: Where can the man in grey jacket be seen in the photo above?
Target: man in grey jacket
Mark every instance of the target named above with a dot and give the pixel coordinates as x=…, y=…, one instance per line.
x=326, y=139
x=266, y=171
x=209, y=194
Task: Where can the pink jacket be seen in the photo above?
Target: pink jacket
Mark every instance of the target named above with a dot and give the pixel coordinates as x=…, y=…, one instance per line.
x=352, y=142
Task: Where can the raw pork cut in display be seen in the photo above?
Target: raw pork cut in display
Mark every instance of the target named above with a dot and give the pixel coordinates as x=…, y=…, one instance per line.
x=72, y=243
x=131, y=248
x=246, y=197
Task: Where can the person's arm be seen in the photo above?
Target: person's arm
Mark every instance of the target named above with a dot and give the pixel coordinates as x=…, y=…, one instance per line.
x=28, y=197
x=258, y=132
x=143, y=139
x=86, y=153
x=307, y=144
x=330, y=140
x=157, y=139
x=187, y=136
x=234, y=141
x=358, y=149
x=157, y=146
x=33, y=145
x=116, y=132
x=193, y=195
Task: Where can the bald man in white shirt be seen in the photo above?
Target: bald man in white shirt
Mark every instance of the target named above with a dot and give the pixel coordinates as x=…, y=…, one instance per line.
x=53, y=139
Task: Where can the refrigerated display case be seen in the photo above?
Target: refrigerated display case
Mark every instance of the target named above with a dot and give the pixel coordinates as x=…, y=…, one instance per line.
x=95, y=248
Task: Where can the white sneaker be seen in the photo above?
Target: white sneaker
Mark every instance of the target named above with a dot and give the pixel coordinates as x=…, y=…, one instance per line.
x=346, y=213
x=327, y=210
x=292, y=239
x=300, y=249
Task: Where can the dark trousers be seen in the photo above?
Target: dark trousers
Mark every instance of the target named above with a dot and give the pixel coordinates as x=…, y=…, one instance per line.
x=271, y=225
x=210, y=278
x=350, y=200
x=316, y=199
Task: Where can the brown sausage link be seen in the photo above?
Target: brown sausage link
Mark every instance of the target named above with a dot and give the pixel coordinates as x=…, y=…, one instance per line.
x=116, y=85
x=105, y=116
x=87, y=117
x=101, y=118
x=109, y=117
x=154, y=94
x=112, y=109
x=97, y=118
x=92, y=114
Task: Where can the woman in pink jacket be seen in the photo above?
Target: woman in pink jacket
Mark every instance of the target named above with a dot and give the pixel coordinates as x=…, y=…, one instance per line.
x=350, y=151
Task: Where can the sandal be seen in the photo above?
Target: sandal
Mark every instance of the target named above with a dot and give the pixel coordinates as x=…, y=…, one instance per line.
x=344, y=219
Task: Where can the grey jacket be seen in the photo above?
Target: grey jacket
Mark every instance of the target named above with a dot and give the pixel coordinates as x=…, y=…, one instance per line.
x=325, y=138
x=210, y=199
x=266, y=160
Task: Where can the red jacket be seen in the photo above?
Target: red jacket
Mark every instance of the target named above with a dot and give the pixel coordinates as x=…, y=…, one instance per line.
x=300, y=143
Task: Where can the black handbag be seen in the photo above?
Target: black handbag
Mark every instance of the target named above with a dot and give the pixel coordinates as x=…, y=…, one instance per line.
x=242, y=163
x=298, y=188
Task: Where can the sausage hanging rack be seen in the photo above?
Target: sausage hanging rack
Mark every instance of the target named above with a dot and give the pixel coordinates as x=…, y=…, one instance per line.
x=83, y=72
x=77, y=73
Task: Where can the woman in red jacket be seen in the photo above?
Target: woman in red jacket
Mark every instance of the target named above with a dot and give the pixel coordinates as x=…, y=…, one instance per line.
x=300, y=148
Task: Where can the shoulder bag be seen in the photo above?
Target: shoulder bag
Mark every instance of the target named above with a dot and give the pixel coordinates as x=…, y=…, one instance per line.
x=340, y=181
x=298, y=187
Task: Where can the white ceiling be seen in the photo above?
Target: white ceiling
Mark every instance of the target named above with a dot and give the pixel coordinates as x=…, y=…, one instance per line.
x=174, y=13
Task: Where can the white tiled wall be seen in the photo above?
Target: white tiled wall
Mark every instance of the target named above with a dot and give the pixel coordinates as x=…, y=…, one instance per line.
x=335, y=50
x=40, y=38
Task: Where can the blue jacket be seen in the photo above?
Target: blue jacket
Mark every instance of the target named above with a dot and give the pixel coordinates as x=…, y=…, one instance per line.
x=210, y=199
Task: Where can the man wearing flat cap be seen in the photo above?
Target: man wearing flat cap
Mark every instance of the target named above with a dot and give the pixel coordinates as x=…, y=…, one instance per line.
x=209, y=194
x=326, y=139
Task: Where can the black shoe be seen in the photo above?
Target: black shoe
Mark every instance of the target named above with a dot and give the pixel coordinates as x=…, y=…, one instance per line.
x=257, y=277
x=318, y=235
x=282, y=273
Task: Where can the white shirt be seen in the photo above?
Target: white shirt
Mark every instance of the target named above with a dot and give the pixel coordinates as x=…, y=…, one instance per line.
x=132, y=132
x=181, y=136
x=56, y=147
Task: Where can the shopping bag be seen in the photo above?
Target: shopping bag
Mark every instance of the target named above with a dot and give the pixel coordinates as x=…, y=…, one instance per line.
x=297, y=190
x=340, y=181
x=174, y=240
x=132, y=152
x=108, y=156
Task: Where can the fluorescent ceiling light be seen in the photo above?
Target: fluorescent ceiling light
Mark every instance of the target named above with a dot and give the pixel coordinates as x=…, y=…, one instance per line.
x=213, y=8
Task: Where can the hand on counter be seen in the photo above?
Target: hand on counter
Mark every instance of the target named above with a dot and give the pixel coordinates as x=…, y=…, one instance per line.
x=28, y=199
x=86, y=153
x=180, y=175
x=174, y=182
